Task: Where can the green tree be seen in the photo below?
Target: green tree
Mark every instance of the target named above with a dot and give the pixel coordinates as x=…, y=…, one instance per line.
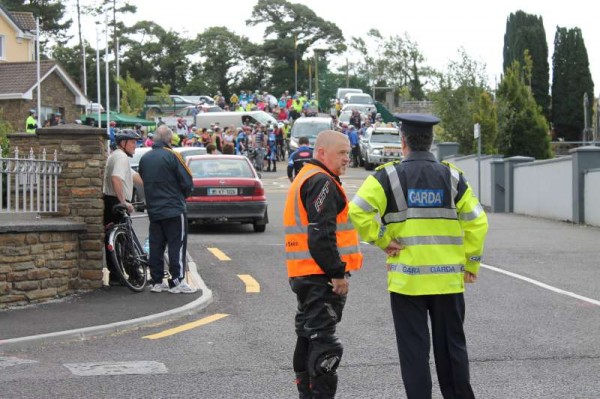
x=526, y=33
x=461, y=101
x=223, y=59
x=153, y=56
x=523, y=129
x=395, y=61
x=292, y=32
x=134, y=96
x=486, y=114
x=571, y=78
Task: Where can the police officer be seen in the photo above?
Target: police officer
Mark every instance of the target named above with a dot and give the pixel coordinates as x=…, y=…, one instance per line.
x=299, y=157
x=321, y=250
x=31, y=122
x=432, y=229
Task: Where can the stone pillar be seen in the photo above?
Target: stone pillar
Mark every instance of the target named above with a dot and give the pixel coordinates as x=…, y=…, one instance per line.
x=82, y=152
x=584, y=158
x=509, y=165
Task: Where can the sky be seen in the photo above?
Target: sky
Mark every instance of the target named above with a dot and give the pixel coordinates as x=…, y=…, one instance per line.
x=439, y=27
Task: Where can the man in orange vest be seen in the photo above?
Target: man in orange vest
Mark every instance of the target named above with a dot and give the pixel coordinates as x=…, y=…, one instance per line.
x=321, y=250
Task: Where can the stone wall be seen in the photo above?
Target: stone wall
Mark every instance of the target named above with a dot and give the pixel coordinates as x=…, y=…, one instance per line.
x=61, y=252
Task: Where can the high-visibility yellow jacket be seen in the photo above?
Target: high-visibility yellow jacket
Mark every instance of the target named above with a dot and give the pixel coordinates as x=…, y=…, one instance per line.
x=30, y=124
x=295, y=220
x=431, y=210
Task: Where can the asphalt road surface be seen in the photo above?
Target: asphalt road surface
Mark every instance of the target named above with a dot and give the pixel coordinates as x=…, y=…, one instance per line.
x=534, y=333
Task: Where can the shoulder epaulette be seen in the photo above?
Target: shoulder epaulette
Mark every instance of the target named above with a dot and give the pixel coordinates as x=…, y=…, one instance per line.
x=451, y=165
x=387, y=164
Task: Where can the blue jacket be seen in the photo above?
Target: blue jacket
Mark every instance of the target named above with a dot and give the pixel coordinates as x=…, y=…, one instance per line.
x=167, y=182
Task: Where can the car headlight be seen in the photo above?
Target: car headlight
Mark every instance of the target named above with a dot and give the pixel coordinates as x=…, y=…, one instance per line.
x=376, y=152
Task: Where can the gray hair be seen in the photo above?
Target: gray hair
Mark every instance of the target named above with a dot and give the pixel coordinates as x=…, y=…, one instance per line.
x=163, y=134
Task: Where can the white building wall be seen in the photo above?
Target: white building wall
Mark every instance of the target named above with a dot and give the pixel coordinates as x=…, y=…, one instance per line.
x=592, y=197
x=544, y=189
x=468, y=164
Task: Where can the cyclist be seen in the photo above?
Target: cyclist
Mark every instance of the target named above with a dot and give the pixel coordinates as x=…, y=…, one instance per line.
x=119, y=179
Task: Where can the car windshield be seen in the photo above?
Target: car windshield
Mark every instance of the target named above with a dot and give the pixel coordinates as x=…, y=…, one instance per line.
x=207, y=167
x=191, y=151
x=310, y=130
x=359, y=100
x=385, y=138
x=264, y=118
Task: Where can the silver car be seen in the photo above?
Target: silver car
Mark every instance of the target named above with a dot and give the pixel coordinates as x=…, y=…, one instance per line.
x=382, y=145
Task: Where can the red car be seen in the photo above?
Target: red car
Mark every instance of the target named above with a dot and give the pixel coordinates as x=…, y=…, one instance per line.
x=226, y=189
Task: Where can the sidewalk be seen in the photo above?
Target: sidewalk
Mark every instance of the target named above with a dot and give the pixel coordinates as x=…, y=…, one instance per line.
x=103, y=311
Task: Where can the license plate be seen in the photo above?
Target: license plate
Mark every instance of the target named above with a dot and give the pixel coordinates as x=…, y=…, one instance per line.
x=222, y=191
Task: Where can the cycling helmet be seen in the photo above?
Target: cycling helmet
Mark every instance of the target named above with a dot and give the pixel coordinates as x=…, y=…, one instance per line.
x=126, y=134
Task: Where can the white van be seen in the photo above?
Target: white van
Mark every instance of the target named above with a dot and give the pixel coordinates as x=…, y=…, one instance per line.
x=342, y=91
x=237, y=119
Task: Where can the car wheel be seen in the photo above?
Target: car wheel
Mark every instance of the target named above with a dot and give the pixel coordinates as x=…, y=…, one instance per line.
x=259, y=228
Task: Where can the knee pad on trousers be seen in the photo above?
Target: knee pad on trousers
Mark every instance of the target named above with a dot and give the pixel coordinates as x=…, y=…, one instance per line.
x=325, y=354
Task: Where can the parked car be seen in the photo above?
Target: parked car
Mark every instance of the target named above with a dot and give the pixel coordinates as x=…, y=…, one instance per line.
x=138, y=191
x=364, y=109
x=154, y=106
x=201, y=99
x=383, y=145
x=190, y=151
x=308, y=126
x=227, y=189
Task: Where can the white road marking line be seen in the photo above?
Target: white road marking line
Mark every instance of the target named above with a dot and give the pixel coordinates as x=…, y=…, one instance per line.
x=9, y=361
x=543, y=285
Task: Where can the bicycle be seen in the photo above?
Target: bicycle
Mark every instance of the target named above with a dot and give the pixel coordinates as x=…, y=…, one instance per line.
x=128, y=257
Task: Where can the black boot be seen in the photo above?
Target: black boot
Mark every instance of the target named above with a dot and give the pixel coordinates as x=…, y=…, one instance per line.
x=274, y=167
x=303, y=384
x=324, y=386
x=269, y=165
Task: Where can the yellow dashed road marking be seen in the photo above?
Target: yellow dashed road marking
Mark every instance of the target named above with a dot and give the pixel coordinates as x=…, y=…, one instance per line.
x=185, y=327
x=219, y=254
x=251, y=284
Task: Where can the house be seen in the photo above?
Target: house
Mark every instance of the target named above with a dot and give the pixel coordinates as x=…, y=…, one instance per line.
x=17, y=36
x=19, y=78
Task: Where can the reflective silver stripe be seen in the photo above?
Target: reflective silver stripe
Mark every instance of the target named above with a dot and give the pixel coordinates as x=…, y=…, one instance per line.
x=298, y=255
x=295, y=229
x=304, y=229
x=430, y=240
x=429, y=269
x=454, y=180
x=397, y=191
x=474, y=214
x=362, y=204
x=421, y=213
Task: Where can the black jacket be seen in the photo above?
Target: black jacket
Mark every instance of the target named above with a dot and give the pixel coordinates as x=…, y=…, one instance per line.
x=323, y=202
x=167, y=182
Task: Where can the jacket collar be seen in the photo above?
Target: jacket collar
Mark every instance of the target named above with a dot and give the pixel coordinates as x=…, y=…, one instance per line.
x=420, y=156
x=322, y=166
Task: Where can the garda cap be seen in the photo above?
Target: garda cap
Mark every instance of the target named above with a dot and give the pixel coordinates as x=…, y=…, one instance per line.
x=417, y=123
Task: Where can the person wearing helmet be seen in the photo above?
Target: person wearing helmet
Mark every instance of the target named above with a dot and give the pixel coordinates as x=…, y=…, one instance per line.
x=119, y=179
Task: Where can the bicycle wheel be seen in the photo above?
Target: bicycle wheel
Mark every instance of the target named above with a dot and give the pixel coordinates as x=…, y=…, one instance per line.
x=130, y=263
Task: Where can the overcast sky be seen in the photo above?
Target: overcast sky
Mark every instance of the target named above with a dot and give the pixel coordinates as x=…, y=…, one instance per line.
x=439, y=27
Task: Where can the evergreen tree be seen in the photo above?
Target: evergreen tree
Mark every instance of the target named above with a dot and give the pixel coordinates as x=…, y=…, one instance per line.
x=523, y=129
x=571, y=79
x=525, y=32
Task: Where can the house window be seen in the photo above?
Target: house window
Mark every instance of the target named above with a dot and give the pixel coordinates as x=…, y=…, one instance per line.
x=2, y=49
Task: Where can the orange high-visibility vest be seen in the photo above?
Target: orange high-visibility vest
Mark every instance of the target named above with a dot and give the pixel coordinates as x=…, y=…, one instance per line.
x=295, y=221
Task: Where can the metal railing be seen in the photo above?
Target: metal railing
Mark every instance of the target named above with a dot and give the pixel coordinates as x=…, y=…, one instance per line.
x=29, y=184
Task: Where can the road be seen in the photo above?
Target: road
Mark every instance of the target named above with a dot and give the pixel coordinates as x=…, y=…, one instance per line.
x=526, y=340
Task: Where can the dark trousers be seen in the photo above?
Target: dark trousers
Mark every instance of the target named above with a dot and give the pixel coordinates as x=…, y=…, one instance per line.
x=172, y=232
x=447, y=314
x=109, y=217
